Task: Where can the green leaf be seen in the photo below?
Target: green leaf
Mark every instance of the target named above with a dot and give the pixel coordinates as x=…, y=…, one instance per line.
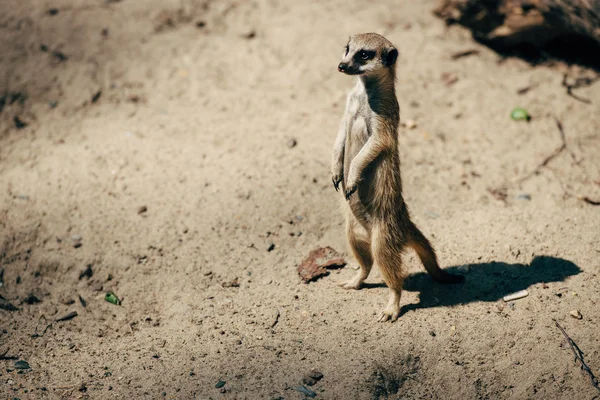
x=112, y=298
x=520, y=114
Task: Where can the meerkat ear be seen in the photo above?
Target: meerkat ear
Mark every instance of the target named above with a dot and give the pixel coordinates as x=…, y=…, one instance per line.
x=390, y=56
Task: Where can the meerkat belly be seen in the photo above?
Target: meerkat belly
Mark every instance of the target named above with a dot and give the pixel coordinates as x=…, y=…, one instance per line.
x=360, y=205
x=355, y=140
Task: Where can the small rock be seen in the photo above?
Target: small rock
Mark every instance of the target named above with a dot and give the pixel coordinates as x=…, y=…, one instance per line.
x=292, y=143
x=410, y=124
x=87, y=273
x=6, y=305
x=220, y=384
x=31, y=299
x=524, y=196
x=142, y=209
x=316, y=375
x=19, y=123
x=307, y=380
x=449, y=78
x=318, y=261
x=232, y=283
x=22, y=365
x=96, y=96
x=76, y=239
x=432, y=333
x=271, y=247
x=431, y=214
x=465, y=269
x=576, y=314
x=306, y=391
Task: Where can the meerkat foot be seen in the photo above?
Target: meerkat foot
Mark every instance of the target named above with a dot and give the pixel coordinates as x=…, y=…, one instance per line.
x=354, y=283
x=391, y=312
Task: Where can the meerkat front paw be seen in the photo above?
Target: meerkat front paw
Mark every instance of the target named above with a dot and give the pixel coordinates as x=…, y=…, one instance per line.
x=337, y=179
x=351, y=189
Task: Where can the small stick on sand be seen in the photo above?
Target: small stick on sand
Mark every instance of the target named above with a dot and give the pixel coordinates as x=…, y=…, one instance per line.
x=578, y=356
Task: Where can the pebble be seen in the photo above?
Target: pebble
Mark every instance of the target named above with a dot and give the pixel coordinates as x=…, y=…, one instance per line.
x=431, y=214
x=220, y=384
x=76, y=241
x=292, y=143
x=271, y=247
x=306, y=391
x=432, y=333
x=22, y=364
x=465, y=269
x=524, y=196
x=515, y=296
x=410, y=124
x=576, y=314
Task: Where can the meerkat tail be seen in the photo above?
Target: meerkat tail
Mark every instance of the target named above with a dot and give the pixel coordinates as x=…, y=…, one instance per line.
x=427, y=255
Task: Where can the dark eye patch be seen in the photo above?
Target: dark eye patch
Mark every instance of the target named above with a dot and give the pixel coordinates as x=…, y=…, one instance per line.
x=365, y=55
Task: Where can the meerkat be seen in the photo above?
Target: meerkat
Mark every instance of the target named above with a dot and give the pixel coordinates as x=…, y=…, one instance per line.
x=366, y=164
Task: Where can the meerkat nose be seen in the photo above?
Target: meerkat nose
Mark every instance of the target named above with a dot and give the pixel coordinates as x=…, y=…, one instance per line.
x=342, y=67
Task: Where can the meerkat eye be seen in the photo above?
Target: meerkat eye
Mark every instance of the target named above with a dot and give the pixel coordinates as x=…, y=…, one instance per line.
x=364, y=55
x=347, y=49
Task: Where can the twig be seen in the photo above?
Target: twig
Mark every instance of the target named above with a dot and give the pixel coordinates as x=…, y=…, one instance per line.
x=579, y=82
x=4, y=356
x=549, y=158
x=578, y=356
x=465, y=53
x=555, y=153
x=590, y=201
x=67, y=317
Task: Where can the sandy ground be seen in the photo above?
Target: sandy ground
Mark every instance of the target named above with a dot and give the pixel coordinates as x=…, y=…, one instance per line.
x=197, y=104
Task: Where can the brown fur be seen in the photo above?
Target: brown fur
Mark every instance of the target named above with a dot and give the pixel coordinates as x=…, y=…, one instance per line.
x=367, y=165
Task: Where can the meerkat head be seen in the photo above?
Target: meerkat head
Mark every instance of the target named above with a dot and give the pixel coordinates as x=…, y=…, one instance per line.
x=368, y=53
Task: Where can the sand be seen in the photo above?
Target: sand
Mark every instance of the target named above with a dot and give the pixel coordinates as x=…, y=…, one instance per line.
x=195, y=107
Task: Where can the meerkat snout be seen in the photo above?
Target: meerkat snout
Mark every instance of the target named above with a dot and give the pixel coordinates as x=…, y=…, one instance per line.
x=366, y=54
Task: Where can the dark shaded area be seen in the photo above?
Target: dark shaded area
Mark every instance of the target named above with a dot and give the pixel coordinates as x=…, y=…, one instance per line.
x=571, y=49
x=536, y=31
x=487, y=282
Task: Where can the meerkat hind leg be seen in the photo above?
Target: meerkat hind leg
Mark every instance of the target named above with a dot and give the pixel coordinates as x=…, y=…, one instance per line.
x=361, y=248
x=388, y=259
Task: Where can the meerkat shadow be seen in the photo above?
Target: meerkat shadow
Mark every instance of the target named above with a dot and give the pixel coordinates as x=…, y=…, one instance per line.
x=487, y=282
